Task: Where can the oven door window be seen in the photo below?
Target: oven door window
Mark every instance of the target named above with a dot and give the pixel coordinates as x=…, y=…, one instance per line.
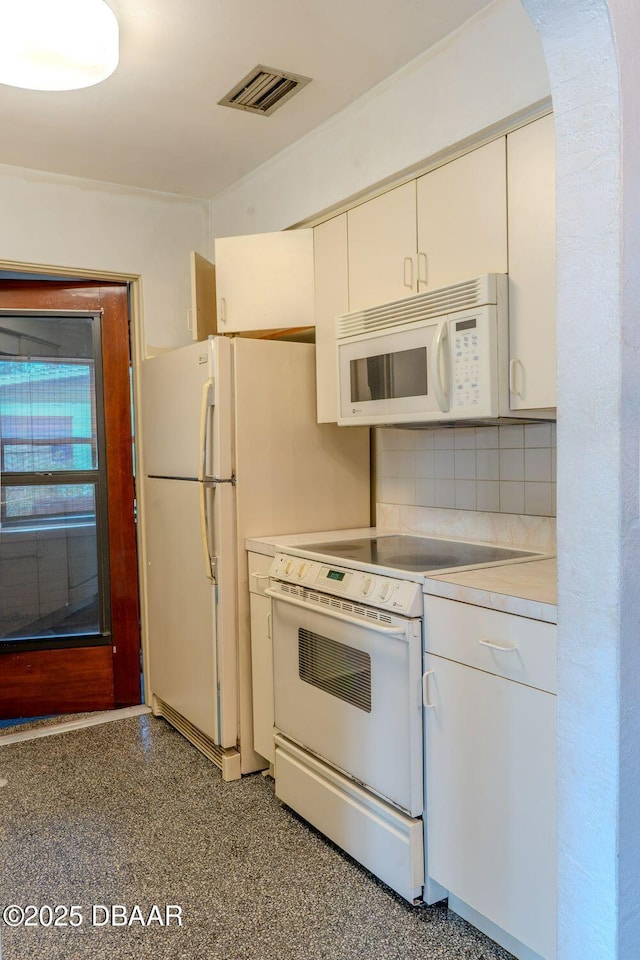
x=338, y=669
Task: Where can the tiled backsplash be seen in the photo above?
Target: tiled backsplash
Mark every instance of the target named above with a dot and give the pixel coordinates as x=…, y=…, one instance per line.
x=507, y=469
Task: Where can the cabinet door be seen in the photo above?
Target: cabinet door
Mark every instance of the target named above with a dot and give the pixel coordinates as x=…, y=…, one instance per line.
x=490, y=798
x=265, y=281
x=202, y=319
x=331, y=298
x=462, y=218
x=532, y=265
x=382, y=248
x=261, y=656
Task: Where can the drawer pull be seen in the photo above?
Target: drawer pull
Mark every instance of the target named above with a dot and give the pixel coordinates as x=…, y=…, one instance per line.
x=504, y=647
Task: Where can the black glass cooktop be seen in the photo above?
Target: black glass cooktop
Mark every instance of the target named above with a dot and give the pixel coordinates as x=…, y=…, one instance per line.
x=416, y=554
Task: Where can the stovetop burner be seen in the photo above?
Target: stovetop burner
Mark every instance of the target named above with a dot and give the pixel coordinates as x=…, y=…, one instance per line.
x=415, y=554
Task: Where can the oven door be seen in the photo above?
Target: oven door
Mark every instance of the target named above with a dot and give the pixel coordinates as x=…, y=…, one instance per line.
x=347, y=686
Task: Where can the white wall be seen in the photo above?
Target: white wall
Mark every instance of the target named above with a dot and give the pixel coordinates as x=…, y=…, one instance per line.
x=47, y=219
x=489, y=69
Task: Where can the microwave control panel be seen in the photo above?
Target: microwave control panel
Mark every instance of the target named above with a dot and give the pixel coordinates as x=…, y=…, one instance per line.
x=471, y=346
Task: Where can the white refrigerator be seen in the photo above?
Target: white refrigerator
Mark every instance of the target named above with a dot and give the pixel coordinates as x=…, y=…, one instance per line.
x=230, y=449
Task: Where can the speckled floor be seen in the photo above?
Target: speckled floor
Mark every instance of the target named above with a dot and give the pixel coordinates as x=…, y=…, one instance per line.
x=129, y=813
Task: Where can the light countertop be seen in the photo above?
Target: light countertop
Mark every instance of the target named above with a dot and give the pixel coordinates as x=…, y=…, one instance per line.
x=269, y=545
x=527, y=589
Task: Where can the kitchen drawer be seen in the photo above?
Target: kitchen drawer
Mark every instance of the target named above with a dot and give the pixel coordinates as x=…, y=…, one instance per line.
x=473, y=636
x=375, y=834
x=259, y=566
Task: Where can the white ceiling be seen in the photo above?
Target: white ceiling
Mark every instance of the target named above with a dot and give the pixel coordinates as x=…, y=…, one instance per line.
x=156, y=122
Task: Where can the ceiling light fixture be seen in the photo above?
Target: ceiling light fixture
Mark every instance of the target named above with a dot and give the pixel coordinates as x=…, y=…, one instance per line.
x=57, y=44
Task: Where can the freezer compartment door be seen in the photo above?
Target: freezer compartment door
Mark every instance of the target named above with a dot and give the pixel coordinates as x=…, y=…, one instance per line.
x=188, y=625
x=186, y=408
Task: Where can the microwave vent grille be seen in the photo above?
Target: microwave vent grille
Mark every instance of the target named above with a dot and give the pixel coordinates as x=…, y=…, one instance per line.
x=422, y=306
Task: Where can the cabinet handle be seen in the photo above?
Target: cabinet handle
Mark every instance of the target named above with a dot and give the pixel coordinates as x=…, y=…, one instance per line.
x=223, y=310
x=190, y=320
x=422, y=268
x=513, y=366
x=407, y=279
x=425, y=690
x=269, y=626
x=505, y=647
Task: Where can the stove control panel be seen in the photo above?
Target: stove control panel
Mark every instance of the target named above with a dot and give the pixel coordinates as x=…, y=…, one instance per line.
x=376, y=590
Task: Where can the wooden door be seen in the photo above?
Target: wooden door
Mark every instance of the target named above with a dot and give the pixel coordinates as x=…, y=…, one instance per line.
x=94, y=664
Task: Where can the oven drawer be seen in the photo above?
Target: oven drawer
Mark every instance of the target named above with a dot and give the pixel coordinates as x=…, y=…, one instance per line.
x=379, y=837
x=500, y=643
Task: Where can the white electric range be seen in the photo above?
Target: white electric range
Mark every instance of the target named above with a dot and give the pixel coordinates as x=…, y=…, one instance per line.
x=347, y=629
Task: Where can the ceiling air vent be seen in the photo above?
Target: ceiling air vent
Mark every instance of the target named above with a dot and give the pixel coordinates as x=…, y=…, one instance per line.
x=264, y=90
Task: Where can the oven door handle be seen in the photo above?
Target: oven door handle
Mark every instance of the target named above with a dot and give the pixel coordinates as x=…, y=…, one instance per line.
x=367, y=624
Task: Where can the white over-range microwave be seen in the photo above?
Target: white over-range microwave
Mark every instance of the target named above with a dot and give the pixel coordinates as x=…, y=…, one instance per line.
x=438, y=356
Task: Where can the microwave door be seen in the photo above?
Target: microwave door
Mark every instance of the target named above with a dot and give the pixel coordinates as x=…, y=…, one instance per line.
x=388, y=378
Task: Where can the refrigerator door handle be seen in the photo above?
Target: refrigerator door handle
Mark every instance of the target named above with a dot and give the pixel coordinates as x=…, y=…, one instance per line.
x=210, y=562
x=205, y=406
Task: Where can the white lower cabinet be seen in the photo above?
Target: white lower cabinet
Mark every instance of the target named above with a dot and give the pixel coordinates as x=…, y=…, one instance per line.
x=261, y=655
x=491, y=775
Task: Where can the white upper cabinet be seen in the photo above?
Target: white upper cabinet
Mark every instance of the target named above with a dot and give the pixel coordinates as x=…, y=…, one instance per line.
x=447, y=226
x=489, y=211
x=462, y=218
x=331, y=298
x=202, y=316
x=264, y=281
x=531, y=169
x=382, y=248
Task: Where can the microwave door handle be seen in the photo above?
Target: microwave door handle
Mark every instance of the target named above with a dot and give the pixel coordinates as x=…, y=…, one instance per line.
x=205, y=405
x=441, y=390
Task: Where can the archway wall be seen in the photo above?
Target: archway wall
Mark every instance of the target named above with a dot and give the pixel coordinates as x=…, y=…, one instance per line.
x=594, y=84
